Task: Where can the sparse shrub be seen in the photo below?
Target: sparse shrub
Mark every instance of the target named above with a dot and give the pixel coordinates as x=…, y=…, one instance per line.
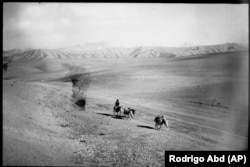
x=81, y=102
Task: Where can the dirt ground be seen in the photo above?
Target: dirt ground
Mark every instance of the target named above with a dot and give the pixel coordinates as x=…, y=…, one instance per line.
x=205, y=100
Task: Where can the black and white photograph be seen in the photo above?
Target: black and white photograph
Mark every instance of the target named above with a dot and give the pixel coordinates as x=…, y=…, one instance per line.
x=118, y=84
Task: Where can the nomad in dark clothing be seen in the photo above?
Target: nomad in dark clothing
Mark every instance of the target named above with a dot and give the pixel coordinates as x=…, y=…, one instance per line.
x=117, y=103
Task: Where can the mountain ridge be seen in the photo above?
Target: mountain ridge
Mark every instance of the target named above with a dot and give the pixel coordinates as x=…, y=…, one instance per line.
x=103, y=50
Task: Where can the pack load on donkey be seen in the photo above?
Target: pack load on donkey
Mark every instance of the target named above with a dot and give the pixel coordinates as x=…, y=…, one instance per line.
x=159, y=121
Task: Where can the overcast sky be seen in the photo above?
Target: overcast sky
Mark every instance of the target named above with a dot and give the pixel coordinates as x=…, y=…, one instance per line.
x=53, y=25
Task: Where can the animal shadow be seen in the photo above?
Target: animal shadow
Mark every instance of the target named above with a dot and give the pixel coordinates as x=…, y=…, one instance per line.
x=111, y=115
x=118, y=116
x=143, y=126
x=108, y=115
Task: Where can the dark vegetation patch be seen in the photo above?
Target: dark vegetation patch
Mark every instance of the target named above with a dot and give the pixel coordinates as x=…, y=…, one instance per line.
x=81, y=103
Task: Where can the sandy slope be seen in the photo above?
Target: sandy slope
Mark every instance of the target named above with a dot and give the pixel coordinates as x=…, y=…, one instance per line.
x=41, y=127
x=32, y=134
x=205, y=100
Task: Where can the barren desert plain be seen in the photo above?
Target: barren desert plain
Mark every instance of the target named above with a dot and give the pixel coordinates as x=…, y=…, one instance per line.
x=203, y=96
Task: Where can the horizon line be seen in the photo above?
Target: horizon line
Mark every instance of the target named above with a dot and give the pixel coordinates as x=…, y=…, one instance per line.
x=117, y=46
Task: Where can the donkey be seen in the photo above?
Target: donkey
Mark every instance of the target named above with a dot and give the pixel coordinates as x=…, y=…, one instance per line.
x=159, y=121
x=117, y=110
x=128, y=112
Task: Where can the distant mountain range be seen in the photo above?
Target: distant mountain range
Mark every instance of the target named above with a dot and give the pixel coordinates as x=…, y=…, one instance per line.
x=102, y=50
